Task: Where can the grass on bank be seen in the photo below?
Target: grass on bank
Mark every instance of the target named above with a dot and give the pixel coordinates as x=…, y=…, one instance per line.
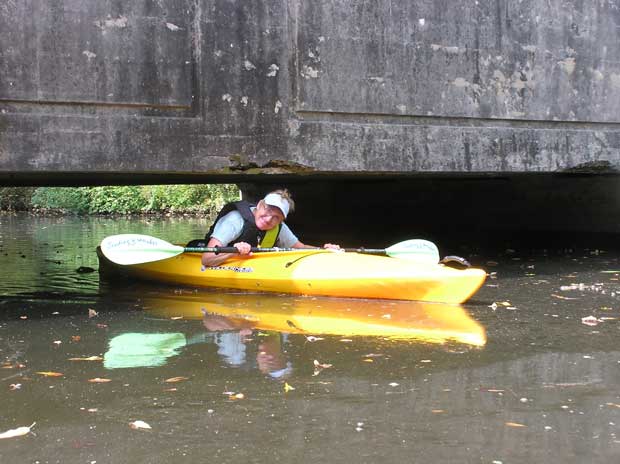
x=131, y=199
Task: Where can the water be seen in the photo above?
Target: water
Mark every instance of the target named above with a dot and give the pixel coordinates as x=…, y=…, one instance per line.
x=528, y=371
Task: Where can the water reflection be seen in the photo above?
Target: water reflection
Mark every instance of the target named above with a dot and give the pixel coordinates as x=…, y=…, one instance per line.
x=252, y=330
x=402, y=320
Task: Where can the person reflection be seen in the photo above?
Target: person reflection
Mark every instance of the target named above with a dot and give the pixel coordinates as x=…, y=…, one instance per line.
x=232, y=337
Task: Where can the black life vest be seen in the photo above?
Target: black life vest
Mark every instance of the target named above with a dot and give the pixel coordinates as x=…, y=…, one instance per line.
x=250, y=233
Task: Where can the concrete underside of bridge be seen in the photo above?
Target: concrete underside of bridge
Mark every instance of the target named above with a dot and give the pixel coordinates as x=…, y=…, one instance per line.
x=450, y=113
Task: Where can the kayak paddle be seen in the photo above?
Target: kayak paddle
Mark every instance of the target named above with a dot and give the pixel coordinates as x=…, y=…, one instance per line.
x=136, y=249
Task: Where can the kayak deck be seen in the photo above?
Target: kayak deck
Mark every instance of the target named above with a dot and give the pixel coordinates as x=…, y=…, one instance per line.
x=313, y=272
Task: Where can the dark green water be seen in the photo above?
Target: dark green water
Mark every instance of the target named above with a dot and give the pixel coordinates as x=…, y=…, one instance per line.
x=544, y=387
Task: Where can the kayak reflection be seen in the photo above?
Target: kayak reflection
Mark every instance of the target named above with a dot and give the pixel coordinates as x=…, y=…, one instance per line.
x=232, y=321
x=402, y=320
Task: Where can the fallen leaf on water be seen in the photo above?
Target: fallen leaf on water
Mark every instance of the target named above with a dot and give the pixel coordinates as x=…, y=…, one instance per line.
x=92, y=313
x=89, y=409
x=15, y=386
x=57, y=342
x=18, y=432
x=99, y=380
x=560, y=297
x=139, y=425
x=287, y=387
x=237, y=396
x=368, y=360
x=176, y=318
x=76, y=338
x=176, y=379
x=515, y=424
x=321, y=365
x=90, y=358
x=50, y=374
x=312, y=338
x=589, y=320
x=437, y=411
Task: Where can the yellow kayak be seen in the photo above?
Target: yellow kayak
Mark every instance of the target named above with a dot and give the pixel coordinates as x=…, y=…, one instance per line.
x=313, y=272
x=402, y=320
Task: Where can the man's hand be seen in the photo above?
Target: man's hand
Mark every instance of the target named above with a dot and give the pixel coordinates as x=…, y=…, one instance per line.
x=244, y=248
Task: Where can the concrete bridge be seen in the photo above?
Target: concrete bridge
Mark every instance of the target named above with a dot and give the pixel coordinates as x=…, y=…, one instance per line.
x=390, y=98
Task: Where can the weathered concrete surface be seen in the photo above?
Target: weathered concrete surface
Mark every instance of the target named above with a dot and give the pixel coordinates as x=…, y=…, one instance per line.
x=214, y=90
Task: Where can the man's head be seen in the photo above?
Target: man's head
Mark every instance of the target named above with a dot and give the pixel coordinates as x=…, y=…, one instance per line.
x=273, y=209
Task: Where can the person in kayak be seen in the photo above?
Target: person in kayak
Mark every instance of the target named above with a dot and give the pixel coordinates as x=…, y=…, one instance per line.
x=246, y=225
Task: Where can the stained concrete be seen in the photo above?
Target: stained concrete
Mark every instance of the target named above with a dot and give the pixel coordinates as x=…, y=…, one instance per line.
x=207, y=88
x=428, y=102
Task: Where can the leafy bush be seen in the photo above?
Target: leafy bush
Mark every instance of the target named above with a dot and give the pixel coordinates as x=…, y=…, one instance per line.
x=124, y=199
x=136, y=199
x=76, y=200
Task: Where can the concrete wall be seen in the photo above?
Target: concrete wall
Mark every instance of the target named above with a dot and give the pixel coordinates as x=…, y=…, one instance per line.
x=96, y=91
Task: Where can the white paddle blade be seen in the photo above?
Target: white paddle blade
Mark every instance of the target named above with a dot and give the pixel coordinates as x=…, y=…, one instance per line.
x=415, y=250
x=135, y=249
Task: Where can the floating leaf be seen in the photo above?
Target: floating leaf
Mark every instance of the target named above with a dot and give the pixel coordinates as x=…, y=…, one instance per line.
x=237, y=396
x=515, y=424
x=321, y=365
x=92, y=313
x=99, y=380
x=89, y=409
x=561, y=297
x=76, y=338
x=287, y=387
x=90, y=358
x=589, y=320
x=50, y=374
x=176, y=379
x=18, y=432
x=139, y=425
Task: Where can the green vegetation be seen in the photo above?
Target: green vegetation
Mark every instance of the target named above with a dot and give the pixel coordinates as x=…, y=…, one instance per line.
x=146, y=199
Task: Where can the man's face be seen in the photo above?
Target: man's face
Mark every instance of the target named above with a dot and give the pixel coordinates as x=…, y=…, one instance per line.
x=267, y=217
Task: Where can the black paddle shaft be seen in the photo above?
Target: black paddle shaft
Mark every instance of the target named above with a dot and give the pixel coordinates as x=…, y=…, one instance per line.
x=218, y=250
